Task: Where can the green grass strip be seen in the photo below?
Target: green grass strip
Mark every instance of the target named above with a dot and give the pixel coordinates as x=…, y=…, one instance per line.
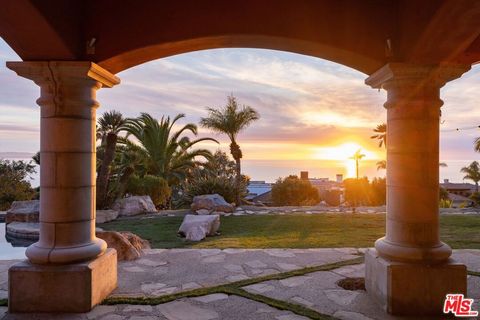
x=473, y=273
x=279, y=304
x=3, y=302
x=221, y=288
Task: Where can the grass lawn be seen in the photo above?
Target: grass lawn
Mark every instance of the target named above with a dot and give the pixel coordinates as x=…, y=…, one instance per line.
x=294, y=231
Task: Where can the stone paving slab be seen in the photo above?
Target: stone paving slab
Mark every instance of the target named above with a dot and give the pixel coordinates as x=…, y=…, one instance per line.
x=319, y=291
x=209, y=308
x=162, y=272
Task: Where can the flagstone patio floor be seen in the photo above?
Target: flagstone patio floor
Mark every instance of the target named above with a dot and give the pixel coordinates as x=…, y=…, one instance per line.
x=207, y=284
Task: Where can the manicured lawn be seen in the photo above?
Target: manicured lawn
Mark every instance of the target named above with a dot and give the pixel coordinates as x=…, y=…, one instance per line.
x=294, y=231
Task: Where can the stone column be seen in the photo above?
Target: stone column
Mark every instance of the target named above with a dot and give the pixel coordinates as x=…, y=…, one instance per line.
x=67, y=178
x=412, y=241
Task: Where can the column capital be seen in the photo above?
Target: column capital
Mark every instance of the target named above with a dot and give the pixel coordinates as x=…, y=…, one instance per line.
x=47, y=71
x=397, y=73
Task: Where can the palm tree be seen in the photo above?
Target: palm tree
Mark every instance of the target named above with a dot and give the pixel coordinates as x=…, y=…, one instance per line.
x=357, y=156
x=381, y=134
x=167, y=153
x=472, y=172
x=110, y=124
x=382, y=165
x=476, y=144
x=231, y=120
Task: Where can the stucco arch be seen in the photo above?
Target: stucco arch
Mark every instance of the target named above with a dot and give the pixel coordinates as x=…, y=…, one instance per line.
x=138, y=56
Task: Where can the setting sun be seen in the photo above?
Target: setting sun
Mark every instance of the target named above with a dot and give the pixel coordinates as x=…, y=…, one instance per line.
x=343, y=152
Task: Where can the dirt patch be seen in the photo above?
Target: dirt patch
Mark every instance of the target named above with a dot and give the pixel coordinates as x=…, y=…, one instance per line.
x=352, y=284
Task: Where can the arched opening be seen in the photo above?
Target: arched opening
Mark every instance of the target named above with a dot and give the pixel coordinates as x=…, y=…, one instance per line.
x=338, y=54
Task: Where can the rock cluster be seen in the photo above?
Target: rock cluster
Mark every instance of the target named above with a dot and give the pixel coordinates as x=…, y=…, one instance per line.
x=129, y=246
x=211, y=204
x=134, y=205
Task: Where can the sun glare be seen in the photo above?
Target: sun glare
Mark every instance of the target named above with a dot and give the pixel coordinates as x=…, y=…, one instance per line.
x=342, y=152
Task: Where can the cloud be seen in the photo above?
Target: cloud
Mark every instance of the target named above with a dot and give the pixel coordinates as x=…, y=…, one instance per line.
x=304, y=102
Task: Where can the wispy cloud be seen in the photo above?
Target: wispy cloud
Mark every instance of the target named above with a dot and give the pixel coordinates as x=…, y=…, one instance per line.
x=305, y=102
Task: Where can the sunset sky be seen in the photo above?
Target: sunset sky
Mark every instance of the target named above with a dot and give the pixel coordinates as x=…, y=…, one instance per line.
x=314, y=113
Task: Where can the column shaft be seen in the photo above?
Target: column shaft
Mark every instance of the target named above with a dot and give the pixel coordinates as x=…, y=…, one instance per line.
x=413, y=115
x=68, y=158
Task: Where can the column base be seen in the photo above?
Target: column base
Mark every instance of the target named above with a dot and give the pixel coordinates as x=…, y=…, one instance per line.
x=72, y=288
x=412, y=289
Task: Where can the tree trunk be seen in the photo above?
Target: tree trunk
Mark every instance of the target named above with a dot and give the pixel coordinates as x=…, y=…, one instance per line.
x=238, y=180
x=356, y=167
x=104, y=173
x=237, y=155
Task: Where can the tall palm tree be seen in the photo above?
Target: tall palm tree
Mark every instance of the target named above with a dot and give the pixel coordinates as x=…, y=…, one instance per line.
x=110, y=124
x=167, y=153
x=357, y=156
x=381, y=134
x=472, y=172
x=231, y=120
x=476, y=144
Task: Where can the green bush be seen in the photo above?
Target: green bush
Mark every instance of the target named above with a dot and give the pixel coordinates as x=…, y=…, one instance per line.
x=226, y=187
x=475, y=198
x=14, y=185
x=293, y=191
x=155, y=187
x=445, y=203
x=357, y=192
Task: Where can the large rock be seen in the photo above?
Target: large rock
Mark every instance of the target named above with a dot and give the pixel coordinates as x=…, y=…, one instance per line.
x=196, y=228
x=128, y=245
x=212, y=203
x=132, y=206
x=23, y=211
x=103, y=216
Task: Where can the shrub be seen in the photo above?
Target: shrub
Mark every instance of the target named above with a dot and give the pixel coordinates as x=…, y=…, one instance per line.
x=357, y=192
x=293, y=191
x=155, y=187
x=443, y=194
x=445, y=203
x=226, y=187
x=13, y=183
x=475, y=197
x=378, y=189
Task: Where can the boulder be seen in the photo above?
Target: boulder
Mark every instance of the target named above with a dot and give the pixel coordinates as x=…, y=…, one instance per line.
x=196, y=228
x=134, y=205
x=23, y=211
x=211, y=202
x=103, y=216
x=137, y=242
x=128, y=245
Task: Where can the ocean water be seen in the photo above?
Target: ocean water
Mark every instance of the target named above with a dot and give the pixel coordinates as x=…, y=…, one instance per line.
x=271, y=170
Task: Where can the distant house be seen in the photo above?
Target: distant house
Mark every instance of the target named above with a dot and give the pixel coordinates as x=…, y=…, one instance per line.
x=461, y=189
x=257, y=189
x=330, y=191
x=459, y=201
